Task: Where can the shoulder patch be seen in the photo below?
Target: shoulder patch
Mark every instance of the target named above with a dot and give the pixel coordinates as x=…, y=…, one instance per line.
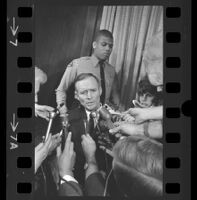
x=76, y=62
x=70, y=64
x=73, y=62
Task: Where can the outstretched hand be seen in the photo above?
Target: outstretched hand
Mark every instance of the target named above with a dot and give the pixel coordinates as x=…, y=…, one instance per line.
x=89, y=147
x=140, y=115
x=126, y=117
x=56, y=141
x=43, y=111
x=127, y=129
x=66, y=158
x=41, y=152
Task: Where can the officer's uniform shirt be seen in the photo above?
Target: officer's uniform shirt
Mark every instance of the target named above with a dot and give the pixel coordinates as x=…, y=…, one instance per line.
x=87, y=65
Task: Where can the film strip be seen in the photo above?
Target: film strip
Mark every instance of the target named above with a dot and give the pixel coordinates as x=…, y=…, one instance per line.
x=177, y=98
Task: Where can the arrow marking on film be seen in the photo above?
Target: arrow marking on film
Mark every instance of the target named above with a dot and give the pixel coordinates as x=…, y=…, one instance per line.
x=14, y=124
x=14, y=43
x=13, y=28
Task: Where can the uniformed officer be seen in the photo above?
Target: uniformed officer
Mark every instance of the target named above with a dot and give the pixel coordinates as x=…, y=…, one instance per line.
x=96, y=64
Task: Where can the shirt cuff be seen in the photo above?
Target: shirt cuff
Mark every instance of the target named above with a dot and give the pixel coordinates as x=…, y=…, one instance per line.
x=68, y=178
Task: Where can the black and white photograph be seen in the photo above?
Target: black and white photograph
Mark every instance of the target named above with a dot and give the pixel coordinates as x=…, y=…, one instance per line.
x=98, y=100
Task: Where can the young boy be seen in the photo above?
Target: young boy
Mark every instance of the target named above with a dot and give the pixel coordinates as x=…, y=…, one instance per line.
x=147, y=95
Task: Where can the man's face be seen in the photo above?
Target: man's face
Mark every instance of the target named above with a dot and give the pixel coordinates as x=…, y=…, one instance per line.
x=88, y=93
x=103, y=47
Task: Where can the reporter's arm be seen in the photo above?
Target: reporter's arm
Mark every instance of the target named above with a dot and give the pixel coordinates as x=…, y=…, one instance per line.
x=145, y=114
x=94, y=181
x=41, y=152
x=128, y=129
x=155, y=113
x=43, y=111
x=91, y=167
x=151, y=129
x=155, y=129
x=66, y=161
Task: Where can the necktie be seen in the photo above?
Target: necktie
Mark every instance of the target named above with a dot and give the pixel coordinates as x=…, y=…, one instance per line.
x=91, y=125
x=102, y=76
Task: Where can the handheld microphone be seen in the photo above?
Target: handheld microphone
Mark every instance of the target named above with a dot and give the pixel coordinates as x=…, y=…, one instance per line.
x=52, y=115
x=106, y=140
x=106, y=116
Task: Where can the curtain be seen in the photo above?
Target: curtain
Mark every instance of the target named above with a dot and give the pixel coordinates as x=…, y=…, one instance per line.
x=62, y=33
x=132, y=28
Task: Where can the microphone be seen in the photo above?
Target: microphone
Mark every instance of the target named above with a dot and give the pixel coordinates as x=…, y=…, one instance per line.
x=106, y=140
x=65, y=129
x=106, y=116
x=52, y=115
x=104, y=113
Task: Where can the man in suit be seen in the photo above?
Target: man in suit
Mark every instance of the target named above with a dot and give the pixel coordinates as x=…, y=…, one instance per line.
x=87, y=92
x=96, y=64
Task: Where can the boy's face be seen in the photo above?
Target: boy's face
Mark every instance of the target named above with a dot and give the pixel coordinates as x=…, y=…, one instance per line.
x=146, y=100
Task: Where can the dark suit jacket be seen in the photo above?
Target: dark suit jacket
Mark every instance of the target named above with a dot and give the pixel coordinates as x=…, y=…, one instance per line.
x=76, y=119
x=94, y=186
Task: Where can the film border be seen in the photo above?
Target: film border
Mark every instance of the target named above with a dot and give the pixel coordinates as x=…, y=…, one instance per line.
x=177, y=123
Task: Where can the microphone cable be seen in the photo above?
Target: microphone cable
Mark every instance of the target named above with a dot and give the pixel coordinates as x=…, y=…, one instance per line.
x=106, y=183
